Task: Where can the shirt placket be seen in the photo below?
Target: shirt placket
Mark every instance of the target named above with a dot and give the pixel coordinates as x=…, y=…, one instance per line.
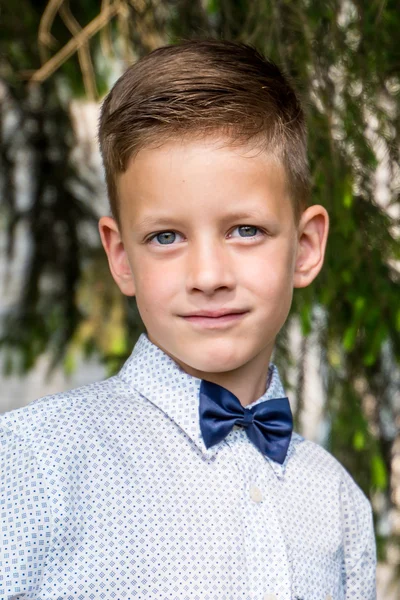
x=266, y=557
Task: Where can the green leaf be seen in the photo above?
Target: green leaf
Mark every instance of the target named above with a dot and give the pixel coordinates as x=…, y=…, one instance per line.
x=398, y=320
x=347, y=276
x=212, y=7
x=359, y=440
x=369, y=359
x=348, y=199
x=305, y=319
x=359, y=306
x=349, y=337
x=69, y=362
x=118, y=344
x=378, y=472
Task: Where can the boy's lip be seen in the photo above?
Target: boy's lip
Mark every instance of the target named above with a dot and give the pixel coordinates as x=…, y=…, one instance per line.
x=216, y=313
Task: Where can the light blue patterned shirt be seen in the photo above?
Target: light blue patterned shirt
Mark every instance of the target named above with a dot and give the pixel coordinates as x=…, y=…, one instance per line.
x=108, y=492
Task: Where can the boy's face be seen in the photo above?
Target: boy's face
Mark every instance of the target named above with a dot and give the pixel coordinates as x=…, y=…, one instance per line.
x=211, y=228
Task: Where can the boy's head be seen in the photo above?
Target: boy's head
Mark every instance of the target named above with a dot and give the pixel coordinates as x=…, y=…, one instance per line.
x=202, y=88
x=204, y=147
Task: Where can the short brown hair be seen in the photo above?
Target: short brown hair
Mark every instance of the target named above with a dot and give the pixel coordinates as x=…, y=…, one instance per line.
x=200, y=88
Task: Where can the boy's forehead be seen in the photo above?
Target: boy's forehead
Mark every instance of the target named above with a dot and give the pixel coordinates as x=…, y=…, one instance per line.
x=179, y=162
x=185, y=178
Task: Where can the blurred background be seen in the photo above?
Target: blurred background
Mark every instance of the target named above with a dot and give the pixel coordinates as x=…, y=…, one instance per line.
x=63, y=322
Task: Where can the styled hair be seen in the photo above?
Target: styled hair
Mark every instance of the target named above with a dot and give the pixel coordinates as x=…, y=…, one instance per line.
x=196, y=89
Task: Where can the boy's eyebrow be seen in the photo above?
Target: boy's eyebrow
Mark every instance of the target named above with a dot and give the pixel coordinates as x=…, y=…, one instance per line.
x=149, y=222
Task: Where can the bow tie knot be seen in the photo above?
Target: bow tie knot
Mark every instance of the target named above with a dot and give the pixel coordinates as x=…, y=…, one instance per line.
x=248, y=418
x=268, y=425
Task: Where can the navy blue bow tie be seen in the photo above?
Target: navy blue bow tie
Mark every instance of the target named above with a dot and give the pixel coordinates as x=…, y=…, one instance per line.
x=268, y=425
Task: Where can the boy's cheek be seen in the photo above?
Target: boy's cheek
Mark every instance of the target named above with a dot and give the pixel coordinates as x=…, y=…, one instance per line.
x=154, y=280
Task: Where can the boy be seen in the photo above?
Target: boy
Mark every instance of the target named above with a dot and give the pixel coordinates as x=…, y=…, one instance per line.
x=180, y=477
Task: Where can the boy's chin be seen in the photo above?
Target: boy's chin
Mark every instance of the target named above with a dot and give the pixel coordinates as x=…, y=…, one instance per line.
x=213, y=357
x=214, y=354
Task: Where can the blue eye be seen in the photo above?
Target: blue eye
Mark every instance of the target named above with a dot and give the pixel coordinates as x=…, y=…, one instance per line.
x=164, y=238
x=249, y=230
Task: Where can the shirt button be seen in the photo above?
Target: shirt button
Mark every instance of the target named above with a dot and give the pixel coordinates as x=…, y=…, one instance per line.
x=329, y=597
x=256, y=496
x=270, y=597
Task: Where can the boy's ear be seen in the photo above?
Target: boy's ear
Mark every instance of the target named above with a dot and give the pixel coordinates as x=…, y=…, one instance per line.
x=116, y=254
x=313, y=232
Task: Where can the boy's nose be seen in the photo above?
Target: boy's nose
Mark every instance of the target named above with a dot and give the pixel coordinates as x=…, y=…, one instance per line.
x=209, y=268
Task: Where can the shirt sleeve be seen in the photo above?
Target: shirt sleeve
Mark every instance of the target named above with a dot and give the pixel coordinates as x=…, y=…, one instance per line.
x=25, y=519
x=359, y=543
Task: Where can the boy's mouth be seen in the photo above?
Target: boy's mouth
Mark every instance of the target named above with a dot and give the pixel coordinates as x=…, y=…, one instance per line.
x=215, y=318
x=215, y=314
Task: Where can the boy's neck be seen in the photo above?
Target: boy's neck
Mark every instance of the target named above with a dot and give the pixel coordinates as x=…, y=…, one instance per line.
x=246, y=389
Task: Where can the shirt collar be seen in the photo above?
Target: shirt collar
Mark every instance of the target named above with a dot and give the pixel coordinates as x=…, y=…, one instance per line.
x=157, y=377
